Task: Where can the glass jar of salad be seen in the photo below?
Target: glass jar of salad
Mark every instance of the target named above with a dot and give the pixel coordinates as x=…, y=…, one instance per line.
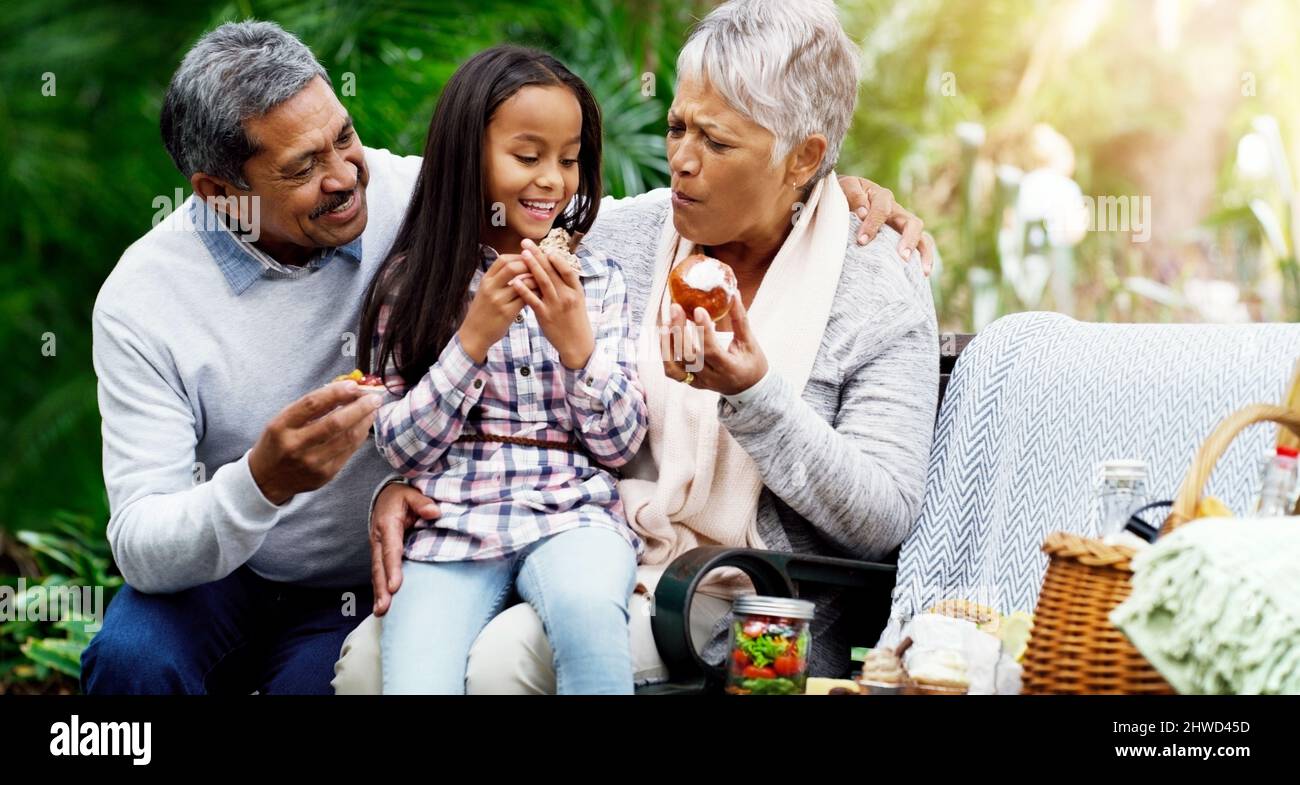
x=770, y=642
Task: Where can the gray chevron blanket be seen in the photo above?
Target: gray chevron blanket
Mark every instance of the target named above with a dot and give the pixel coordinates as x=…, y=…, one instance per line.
x=1036, y=402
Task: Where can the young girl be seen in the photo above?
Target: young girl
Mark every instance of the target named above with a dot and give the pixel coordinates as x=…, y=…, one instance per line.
x=511, y=384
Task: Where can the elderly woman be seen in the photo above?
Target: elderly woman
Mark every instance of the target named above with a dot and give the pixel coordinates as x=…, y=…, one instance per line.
x=806, y=429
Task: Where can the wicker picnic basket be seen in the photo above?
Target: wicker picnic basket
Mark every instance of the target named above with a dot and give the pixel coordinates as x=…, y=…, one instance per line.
x=1074, y=647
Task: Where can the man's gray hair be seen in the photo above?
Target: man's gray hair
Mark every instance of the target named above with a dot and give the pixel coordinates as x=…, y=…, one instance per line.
x=787, y=66
x=239, y=71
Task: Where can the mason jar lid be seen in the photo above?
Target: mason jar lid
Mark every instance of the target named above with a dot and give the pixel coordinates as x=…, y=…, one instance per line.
x=757, y=605
x=1124, y=470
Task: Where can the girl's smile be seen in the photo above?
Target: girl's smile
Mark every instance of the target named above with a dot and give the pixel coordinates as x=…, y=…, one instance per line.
x=540, y=210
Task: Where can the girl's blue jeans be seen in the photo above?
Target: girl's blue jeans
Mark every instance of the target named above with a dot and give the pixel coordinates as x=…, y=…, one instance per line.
x=579, y=582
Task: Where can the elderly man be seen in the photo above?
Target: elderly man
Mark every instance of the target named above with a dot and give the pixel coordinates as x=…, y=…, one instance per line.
x=239, y=497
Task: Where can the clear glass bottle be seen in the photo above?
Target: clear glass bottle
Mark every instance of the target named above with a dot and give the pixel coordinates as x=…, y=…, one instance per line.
x=1121, y=489
x=770, y=643
x=1277, y=496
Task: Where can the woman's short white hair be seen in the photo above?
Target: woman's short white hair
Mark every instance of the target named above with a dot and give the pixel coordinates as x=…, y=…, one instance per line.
x=787, y=65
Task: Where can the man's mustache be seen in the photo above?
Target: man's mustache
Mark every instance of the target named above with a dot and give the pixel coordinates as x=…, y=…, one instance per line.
x=332, y=204
x=362, y=178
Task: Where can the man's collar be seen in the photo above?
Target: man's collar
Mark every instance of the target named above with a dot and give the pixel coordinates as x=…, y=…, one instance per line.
x=241, y=262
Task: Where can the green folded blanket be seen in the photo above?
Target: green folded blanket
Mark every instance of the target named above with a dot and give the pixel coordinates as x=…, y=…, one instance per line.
x=1216, y=606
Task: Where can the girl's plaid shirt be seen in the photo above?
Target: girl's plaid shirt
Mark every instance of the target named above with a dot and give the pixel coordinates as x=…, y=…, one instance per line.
x=497, y=498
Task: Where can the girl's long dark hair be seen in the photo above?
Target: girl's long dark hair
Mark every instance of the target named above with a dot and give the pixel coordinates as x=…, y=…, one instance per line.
x=427, y=273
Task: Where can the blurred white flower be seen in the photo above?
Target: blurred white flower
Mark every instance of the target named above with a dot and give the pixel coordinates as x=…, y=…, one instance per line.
x=1009, y=176
x=1280, y=167
x=1051, y=150
x=1056, y=200
x=1252, y=157
x=1216, y=301
x=970, y=134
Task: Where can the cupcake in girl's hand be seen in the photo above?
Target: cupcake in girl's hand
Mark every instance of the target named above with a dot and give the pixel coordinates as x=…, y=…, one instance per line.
x=368, y=382
x=703, y=282
x=559, y=241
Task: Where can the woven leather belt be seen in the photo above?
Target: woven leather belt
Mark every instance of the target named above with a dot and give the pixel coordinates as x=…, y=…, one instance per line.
x=571, y=445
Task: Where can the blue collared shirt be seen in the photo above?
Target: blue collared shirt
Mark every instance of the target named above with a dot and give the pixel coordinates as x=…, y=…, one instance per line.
x=242, y=262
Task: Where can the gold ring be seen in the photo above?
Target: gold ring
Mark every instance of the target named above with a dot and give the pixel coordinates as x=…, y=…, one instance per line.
x=688, y=378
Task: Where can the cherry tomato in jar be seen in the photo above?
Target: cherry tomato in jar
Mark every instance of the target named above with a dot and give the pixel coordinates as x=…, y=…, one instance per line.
x=752, y=672
x=787, y=665
x=740, y=658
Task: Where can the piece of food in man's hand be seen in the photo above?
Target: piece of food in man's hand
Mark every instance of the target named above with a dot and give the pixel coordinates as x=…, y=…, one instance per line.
x=703, y=282
x=368, y=382
x=560, y=241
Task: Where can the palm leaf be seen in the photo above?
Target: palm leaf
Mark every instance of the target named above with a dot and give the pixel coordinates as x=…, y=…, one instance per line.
x=58, y=654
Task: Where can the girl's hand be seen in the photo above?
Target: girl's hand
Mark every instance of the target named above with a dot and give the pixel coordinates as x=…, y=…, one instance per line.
x=495, y=305
x=560, y=304
x=695, y=347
